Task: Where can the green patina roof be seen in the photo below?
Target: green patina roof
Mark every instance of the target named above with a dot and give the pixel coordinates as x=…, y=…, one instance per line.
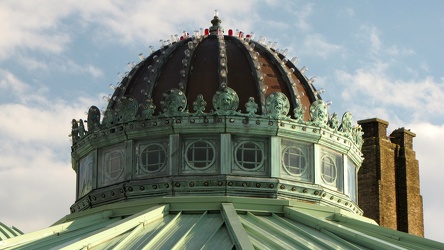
x=216, y=223
x=8, y=232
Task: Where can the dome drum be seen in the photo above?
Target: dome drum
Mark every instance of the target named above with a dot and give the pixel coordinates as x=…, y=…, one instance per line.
x=216, y=115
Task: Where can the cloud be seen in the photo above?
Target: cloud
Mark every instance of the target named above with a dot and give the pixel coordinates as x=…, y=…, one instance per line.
x=35, y=168
x=31, y=25
x=428, y=147
x=11, y=84
x=35, y=183
x=317, y=45
x=59, y=65
x=377, y=49
x=421, y=98
x=302, y=15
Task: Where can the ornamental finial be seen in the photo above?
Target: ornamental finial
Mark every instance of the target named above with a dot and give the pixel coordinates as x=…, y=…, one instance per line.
x=216, y=24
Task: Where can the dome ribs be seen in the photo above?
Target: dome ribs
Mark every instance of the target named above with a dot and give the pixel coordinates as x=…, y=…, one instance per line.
x=201, y=65
x=240, y=77
x=167, y=76
x=305, y=90
x=204, y=75
x=275, y=78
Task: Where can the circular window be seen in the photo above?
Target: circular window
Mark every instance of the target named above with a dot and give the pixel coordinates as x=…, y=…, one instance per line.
x=249, y=156
x=114, y=165
x=200, y=155
x=328, y=171
x=153, y=157
x=294, y=161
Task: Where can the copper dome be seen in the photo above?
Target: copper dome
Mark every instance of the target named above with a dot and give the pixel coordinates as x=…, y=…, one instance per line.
x=210, y=61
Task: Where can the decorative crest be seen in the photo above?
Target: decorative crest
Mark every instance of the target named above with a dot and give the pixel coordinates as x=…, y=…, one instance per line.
x=318, y=113
x=277, y=105
x=199, y=105
x=173, y=103
x=226, y=101
x=127, y=109
x=251, y=107
x=333, y=122
x=93, y=119
x=148, y=109
x=346, y=125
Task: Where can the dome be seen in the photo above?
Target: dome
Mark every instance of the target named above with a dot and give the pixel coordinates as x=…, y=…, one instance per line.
x=215, y=114
x=200, y=66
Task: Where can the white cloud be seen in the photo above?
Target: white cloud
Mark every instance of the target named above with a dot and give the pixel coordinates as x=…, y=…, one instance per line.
x=377, y=49
x=38, y=183
x=318, y=45
x=31, y=25
x=59, y=65
x=302, y=15
x=10, y=83
x=428, y=147
x=422, y=98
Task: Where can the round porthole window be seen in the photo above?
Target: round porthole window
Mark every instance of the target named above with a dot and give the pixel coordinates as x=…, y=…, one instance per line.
x=152, y=157
x=328, y=170
x=249, y=156
x=294, y=161
x=200, y=155
x=114, y=165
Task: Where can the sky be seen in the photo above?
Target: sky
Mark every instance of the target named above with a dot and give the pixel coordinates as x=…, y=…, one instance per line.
x=374, y=58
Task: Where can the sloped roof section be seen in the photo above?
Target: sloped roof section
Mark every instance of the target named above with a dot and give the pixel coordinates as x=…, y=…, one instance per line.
x=8, y=232
x=215, y=222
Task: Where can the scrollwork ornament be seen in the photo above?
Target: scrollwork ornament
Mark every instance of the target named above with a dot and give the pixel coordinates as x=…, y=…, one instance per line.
x=298, y=112
x=333, y=122
x=277, y=105
x=74, y=131
x=93, y=119
x=346, y=125
x=82, y=131
x=357, y=136
x=127, y=109
x=226, y=101
x=148, y=109
x=318, y=113
x=173, y=103
x=199, y=105
x=108, y=118
x=251, y=107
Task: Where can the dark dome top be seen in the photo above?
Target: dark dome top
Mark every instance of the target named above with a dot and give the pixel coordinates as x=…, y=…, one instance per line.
x=208, y=62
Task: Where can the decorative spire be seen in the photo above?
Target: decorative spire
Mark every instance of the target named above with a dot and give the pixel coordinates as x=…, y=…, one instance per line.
x=216, y=24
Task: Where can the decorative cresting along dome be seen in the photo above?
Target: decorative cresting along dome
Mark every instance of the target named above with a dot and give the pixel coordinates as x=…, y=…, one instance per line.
x=216, y=115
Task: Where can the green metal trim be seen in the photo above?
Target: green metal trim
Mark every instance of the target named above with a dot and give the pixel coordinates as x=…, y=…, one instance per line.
x=302, y=232
x=162, y=233
x=55, y=230
x=123, y=244
x=181, y=241
x=345, y=244
x=207, y=244
x=225, y=153
x=271, y=227
x=95, y=238
x=275, y=156
x=264, y=236
x=345, y=233
x=391, y=235
x=235, y=228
